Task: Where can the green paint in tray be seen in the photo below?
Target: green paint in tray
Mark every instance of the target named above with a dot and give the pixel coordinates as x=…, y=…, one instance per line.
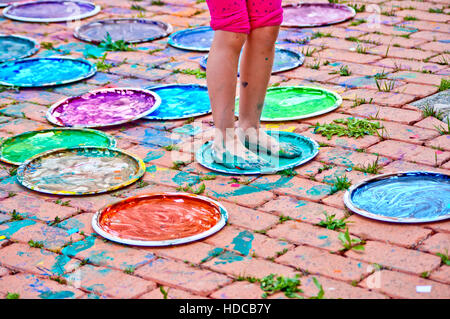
x=297, y=102
x=17, y=149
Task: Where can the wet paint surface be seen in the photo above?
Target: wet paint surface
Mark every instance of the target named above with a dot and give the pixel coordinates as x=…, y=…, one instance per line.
x=308, y=146
x=45, y=10
x=128, y=30
x=196, y=39
x=103, y=108
x=159, y=217
x=315, y=14
x=38, y=72
x=181, y=101
x=284, y=60
x=14, y=47
x=19, y=148
x=414, y=195
x=80, y=171
x=4, y=3
x=200, y=39
x=289, y=103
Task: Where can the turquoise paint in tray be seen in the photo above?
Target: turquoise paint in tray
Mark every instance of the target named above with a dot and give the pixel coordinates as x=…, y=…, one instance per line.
x=14, y=47
x=180, y=101
x=309, y=148
x=41, y=72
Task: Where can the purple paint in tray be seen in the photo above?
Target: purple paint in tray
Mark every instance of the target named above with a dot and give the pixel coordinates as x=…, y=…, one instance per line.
x=105, y=107
x=51, y=10
x=315, y=14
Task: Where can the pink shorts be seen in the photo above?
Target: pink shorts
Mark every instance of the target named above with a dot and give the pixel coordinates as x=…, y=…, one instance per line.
x=242, y=16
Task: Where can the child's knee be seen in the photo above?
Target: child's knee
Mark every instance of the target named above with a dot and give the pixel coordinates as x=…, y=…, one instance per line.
x=231, y=40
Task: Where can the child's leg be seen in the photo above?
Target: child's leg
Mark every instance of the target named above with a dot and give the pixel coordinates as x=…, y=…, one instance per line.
x=256, y=68
x=221, y=75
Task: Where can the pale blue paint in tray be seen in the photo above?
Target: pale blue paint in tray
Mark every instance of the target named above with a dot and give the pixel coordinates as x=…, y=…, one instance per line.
x=405, y=197
x=41, y=72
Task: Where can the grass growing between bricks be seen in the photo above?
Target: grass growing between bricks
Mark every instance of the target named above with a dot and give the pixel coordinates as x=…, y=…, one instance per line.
x=273, y=283
x=351, y=127
x=333, y=223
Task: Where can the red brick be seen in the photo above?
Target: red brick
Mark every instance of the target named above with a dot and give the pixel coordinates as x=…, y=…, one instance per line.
x=196, y=253
x=51, y=237
x=29, y=286
x=302, y=233
x=349, y=158
x=354, y=176
x=4, y=271
x=335, y=200
x=408, y=65
x=38, y=96
x=247, y=243
x=356, y=68
x=293, y=186
x=396, y=52
x=21, y=257
x=392, y=99
x=35, y=208
x=442, y=274
x=244, y=195
x=335, y=289
x=398, y=285
x=309, y=169
x=437, y=243
x=403, y=166
x=301, y=210
x=310, y=75
x=395, y=257
x=343, y=141
x=172, y=293
x=93, y=203
x=405, y=235
x=410, y=152
x=442, y=141
x=386, y=40
x=161, y=157
x=422, y=15
x=431, y=123
x=109, y=282
x=238, y=289
x=418, y=90
x=178, y=275
x=416, y=77
x=343, y=55
x=104, y=253
x=249, y=218
x=30, y=111
x=407, y=133
x=441, y=226
x=427, y=35
x=81, y=223
x=386, y=113
x=236, y=266
x=318, y=261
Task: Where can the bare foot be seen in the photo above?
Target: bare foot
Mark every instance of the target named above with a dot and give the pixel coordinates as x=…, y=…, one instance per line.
x=257, y=140
x=233, y=154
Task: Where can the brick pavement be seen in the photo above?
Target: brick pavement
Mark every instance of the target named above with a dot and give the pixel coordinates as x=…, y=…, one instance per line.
x=410, y=45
